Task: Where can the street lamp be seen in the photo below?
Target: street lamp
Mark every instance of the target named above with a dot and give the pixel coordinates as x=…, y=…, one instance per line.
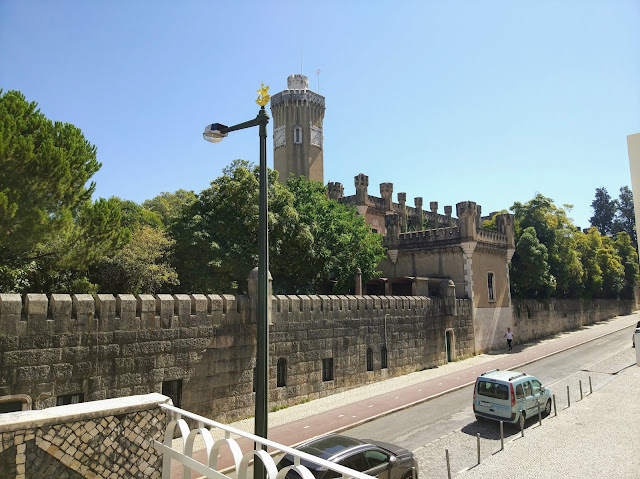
x=215, y=133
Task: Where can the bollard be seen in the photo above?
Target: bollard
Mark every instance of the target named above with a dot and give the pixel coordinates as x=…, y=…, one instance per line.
x=521, y=424
x=539, y=415
x=580, y=383
x=501, y=436
x=446, y=451
x=555, y=411
x=568, y=398
x=590, y=387
x=478, y=448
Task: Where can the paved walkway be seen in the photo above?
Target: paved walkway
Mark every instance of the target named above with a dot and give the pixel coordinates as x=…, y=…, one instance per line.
x=333, y=413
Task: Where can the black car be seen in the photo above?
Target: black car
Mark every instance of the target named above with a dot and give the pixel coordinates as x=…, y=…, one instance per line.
x=375, y=458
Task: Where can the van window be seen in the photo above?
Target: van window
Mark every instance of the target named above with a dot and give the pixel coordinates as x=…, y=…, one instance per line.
x=493, y=390
x=519, y=392
x=527, y=389
x=536, y=386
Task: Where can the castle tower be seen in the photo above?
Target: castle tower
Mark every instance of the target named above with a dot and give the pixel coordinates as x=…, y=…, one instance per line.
x=297, y=114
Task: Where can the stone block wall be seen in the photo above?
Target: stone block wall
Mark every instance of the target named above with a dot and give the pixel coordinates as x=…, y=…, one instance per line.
x=101, y=439
x=106, y=347
x=533, y=319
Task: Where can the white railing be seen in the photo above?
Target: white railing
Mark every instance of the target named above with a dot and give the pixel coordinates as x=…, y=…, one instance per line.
x=241, y=461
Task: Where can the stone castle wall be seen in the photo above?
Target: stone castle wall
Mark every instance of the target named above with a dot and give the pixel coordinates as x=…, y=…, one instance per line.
x=533, y=319
x=106, y=347
x=101, y=439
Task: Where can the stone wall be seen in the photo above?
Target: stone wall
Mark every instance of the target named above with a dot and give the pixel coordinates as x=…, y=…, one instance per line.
x=533, y=319
x=100, y=439
x=106, y=347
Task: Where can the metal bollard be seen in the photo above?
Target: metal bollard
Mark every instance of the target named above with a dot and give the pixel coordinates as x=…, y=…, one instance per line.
x=521, y=424
x=580, y=383
x=539, y=414
x=478, y=448
x=501, y=436
x=590, y=386
x=446, y=451
x=555, y=411
x=568, y=398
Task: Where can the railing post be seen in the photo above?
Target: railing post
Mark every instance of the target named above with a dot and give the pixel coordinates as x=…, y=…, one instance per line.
x=539, y=414
x=555, y=411
x=478, y=436
x=568, y=398
x=521, y=421
x=590, y=386
x=580, y=383
x=501, y=436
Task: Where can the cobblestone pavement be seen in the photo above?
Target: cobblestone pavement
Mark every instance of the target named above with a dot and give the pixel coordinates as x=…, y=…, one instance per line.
x=581, y=440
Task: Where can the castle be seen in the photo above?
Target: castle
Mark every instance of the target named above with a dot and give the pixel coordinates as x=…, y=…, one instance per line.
x=419, y=257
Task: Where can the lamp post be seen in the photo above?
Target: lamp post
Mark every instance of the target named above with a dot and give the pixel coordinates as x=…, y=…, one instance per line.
x=215, y=133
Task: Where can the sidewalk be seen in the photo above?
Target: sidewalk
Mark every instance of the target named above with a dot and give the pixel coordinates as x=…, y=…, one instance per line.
x=333, y=413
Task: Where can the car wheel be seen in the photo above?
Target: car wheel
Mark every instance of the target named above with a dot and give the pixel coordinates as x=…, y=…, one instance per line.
x=522, y=420
x=547, y=408
x=409, y=475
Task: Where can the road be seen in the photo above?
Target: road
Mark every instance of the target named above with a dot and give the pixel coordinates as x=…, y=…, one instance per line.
x=420, y=425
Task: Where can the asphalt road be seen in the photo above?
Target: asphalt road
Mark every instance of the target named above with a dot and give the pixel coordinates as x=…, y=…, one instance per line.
x=420, y=425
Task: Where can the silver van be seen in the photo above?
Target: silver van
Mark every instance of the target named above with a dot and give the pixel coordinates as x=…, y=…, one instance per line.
x=509, y=396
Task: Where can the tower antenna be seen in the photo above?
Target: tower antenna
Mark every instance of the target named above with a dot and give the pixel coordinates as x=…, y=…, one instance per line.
x=300, y=58
x=318, y=75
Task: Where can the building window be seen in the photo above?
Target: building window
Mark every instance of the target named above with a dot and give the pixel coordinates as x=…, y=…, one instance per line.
x=282, y=373
x=16, y=402
x=327, y=369
x=383, y=357
x=297, y=135
x=369, y=359
x=490, y=286
x=173, y=389
x=69, y=399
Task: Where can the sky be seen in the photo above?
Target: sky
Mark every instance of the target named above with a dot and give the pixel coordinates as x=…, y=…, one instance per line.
x=487, y=101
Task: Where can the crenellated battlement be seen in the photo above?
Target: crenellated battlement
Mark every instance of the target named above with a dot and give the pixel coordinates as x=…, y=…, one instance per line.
x=428, y=237
x=489, y=236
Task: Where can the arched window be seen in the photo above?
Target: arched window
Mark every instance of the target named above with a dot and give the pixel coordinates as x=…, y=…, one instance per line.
x=282, y=373
x=297, y=134
x=369, y=359
x=490, y=286
x=383, y=357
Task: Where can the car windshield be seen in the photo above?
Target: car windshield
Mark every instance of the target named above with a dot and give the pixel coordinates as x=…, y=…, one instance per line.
x=493, y=390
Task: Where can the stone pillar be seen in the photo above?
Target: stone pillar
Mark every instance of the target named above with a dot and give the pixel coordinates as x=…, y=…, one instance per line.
x=447, y=211
x=418, y=202
x=434, y=211
x=361, y=182
x=336, y=190
x=386, y=190
x=358, y=288
x=467, y=212
x=479, y=217
x=505, y=223
x=391, y=240
x=402, y=200
x=448, y=293
x=252, y=281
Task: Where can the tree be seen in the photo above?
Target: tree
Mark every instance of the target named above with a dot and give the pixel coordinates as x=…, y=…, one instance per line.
x=530, y=271
x=629, y=260
x=604, y=210
x=49, y=227
x=341, y=241
x=312, y=241
x=588, y=245
x=169, y=206
x=625, y=219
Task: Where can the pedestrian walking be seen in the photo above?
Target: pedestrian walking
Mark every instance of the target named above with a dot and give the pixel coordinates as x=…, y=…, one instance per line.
x=509, y=336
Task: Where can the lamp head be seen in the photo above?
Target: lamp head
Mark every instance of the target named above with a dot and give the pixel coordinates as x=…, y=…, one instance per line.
x=213, y=133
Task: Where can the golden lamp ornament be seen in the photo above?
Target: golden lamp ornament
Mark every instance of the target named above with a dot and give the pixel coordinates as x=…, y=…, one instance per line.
x=263, y=95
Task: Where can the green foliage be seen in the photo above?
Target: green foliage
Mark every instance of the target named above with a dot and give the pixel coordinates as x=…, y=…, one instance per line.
x=530, y=271
x=169, y=206
x=626, y=250
x=312, y=241
x=604, y=210
x=50, y=229
x=139, y=267
x=491, y=224
x=625, y=219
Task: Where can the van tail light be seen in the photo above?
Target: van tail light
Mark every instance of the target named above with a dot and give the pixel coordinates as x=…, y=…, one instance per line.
x=474, y=390
x=513, y=396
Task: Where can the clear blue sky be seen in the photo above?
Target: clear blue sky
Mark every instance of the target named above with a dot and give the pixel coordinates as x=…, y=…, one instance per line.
x=489, y=101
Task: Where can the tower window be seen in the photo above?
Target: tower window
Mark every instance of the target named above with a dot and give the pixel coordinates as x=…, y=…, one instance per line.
x=69, y=399
x=282, y=373
x=490, y=286
x=297, y=135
